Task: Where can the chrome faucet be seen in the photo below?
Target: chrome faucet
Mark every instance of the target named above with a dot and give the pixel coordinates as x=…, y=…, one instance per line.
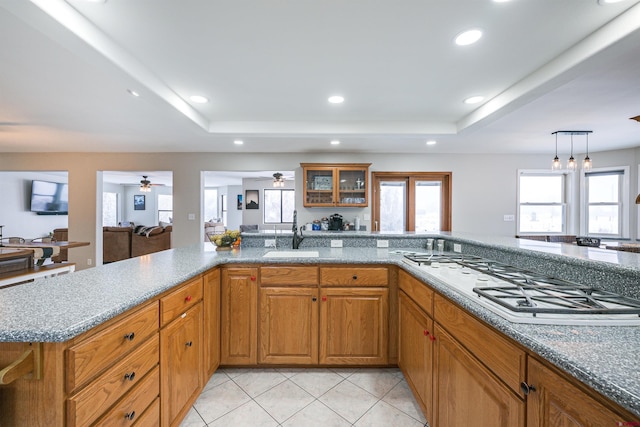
x=297, y=238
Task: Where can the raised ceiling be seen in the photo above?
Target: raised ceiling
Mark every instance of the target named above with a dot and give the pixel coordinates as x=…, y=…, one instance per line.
x=268, y=68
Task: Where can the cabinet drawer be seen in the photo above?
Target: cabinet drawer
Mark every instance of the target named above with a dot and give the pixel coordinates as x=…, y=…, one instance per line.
x=492, y=349
x=88, y=358
x=135, y=403
x=287, y=275
x=151, y=417
x=417, y=291
x=179, y=301
x=354, y=276
x=97, y=397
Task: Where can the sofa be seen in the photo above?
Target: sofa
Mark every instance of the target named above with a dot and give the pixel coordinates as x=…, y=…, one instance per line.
x=120, y=243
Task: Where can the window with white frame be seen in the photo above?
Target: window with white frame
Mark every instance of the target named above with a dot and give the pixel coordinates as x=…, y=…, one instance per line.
x=211, y=204
x=604, y=192
x=279, y=205
x=542, y=202
x=109, y=209
x=165, y=208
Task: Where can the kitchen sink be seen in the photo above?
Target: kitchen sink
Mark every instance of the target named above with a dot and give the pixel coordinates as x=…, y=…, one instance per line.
x=292, y=254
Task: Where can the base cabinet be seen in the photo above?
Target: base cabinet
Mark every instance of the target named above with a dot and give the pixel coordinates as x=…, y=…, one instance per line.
x=554, y=401
x=416, y=352
x=468, y=394
x=181, y=364
x=288, y=325
x=238, y=318
x=354, y=326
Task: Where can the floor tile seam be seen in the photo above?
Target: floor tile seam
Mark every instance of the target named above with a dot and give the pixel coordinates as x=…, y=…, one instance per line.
x=330, y=388
x=367, y=411
x=201, y=417
x=362, y=388
x=269, y=389
x=400, y=409
x=231, y=410
x=264, y=409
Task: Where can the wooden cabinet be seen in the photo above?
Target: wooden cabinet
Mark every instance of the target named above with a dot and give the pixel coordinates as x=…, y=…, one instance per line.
x=211, y=327
x=343, y=184
x=181, y=343
x=354, y=315
x=288, y=325
x=354, y=326
x=467, y=392
x=107, y=371
x=238, y=317
x=416, y=337
x=556, y=401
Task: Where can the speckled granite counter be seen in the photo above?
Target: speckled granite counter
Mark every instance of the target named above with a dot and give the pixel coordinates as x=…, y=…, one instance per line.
x=57, y=309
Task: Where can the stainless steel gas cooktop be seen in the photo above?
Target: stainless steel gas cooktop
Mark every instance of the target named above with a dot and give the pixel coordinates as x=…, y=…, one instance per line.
x=524, y=296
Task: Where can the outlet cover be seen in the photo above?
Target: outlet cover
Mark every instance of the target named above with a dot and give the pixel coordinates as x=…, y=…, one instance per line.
x=457, y=247
x=509, y=218
x=269, y=243
x=336, y=243
x=382, y=243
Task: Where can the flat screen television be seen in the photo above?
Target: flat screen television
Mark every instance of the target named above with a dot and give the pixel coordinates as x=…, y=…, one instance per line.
x=49, y=198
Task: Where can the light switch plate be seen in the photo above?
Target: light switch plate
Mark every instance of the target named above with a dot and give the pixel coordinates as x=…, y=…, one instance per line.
x=191, y=217
x=336, y=243
x=382, y=243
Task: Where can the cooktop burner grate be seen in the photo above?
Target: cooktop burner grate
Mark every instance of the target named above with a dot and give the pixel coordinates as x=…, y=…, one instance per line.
x=524, y=291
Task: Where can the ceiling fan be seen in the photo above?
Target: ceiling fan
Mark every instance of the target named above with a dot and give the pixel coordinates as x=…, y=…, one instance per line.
x=145, y=184
x=636, y=118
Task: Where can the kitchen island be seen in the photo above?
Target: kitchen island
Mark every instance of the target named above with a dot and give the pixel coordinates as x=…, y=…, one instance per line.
x=602, y=357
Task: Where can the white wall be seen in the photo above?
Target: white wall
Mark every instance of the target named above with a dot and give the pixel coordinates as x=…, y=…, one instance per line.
x=483, y=185
x=15, y=200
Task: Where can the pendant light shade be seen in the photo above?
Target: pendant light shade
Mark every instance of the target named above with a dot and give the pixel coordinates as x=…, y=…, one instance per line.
x=572, y=165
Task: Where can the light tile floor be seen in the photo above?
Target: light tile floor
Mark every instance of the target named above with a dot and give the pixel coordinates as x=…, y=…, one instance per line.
x=306, y=398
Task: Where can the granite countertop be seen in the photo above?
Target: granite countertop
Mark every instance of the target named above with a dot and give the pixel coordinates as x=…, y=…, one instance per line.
x=60, y=308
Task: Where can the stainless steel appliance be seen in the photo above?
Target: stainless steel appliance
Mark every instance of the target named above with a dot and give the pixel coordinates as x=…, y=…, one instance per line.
x=523, y=296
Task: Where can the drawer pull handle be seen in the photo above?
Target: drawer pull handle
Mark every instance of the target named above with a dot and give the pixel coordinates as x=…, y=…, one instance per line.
x=130, y=336
x=355, y=277
x=426, y=333
x=188, y=298
x=130, y=415
x=314, y=299
x=324, y=298
x=189, y=343
x=130, y=376
x=253, y=278
x=432, y=338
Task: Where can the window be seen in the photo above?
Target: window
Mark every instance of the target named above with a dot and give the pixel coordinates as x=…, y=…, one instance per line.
x=278, y=206
x=109, y=209
x=210, y=204
x=542, y=201
x=604, y=191
x=165, y=208
x=411, y=201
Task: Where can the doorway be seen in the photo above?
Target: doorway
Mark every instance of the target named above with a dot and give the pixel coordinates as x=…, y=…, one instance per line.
x=411, y=201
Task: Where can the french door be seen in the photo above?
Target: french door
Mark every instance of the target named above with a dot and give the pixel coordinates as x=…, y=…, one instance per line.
x=411, y=201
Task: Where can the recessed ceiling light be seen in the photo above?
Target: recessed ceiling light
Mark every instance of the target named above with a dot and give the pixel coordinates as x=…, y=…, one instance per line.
x=473, y=99
x=605, y=2
x=198, y=99
x=133, y=92
x=336, y=99
x=468, y=37
x=335, y=142
x=500, y=1
x=238, y=142
x=431, y=142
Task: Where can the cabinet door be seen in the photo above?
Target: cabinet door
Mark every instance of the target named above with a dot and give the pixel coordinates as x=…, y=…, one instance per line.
x=239, y=301
x=416, y=352
x=211, y=323
x=289, y=325
x=319, y=188
x=352, y=186
x=180, y=364
x=354, y=326
x=467, y=393
x=556, y=402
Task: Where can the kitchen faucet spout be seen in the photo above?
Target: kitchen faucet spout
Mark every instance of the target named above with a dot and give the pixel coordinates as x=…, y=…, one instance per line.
x=297, y=238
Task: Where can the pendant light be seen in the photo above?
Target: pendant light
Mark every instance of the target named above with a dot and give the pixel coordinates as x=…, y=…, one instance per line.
x=571, y=163
x=586, y=163
x=556, y=165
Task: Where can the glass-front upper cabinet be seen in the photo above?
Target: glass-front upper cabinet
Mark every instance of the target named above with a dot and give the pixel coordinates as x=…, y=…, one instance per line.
x=336, y=184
